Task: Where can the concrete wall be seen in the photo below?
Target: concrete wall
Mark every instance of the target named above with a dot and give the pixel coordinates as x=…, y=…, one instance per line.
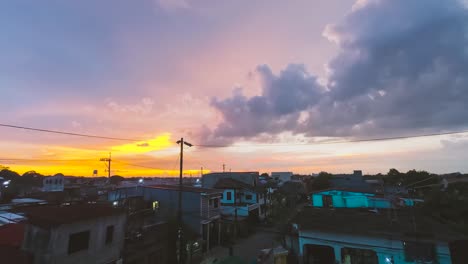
x=384, y=247
x=317, y=200
x=224, y=198
x=282, y=176
x=53, y=184
x=252, y=200
x=169, y=202
x=231, y=210
x=51, y=246
x=241, y=199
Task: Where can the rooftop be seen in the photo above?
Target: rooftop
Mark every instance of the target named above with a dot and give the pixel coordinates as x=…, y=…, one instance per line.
x=344, y=190
x=384, y=223
x=184, y=188
x=229, y=183
x=51, y=216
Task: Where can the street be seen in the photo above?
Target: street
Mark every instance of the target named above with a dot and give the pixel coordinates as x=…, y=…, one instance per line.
x=247, y=248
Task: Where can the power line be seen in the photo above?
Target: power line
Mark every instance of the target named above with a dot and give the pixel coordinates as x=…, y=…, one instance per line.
x=334, y=142
x=47, y=160
x=243, y=145
x=137, y=165
x=68, y=133
x=429, y=178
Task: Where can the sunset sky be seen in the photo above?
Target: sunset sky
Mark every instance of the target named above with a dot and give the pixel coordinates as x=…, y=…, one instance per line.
x=265, y=79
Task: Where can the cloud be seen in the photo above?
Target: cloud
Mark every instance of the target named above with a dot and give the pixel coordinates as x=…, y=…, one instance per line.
x=173, y=4
x=406, y=74
x=277, y=109
x=144, y=107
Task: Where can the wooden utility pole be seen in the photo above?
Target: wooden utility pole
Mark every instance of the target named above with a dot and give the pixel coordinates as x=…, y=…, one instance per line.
x=108, y=161
x=181, y=248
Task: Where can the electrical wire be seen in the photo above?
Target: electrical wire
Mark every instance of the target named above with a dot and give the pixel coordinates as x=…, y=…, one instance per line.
x=137, y=165
x=429, y=178
x=244, y=145
x=47, y=160
x=68, y=133
x=334, y=142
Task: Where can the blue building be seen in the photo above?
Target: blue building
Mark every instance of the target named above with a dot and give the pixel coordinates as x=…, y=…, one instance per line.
x=342, y=198
x=358, y=236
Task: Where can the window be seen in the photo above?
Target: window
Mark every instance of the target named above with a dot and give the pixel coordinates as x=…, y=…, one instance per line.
x=248, y=197
x=358, y=255
x=419, y=251
x=215, y=201
x=78, y=242
x=228, y=196
x=109, y=234
x=210, y=202
x=155, y=205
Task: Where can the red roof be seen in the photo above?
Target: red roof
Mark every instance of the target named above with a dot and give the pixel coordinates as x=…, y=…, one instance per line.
x=12, y=234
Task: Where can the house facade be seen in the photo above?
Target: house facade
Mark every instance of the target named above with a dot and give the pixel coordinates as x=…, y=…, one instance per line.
x=282, y=177
x=353, y=236
x=53, y=183
x=343, y=198
x=242, y=200
x=74, y=234
x=201, y=209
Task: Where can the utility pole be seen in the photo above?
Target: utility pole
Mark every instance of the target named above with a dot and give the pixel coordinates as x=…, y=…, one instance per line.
x=108, y=161
x=181, y=248
x=224, y=167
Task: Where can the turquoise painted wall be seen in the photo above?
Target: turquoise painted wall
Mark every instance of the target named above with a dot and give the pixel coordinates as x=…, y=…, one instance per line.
x=225, y=195
x=355, y=201
x=338, y=201
x=317, y=200
x=379, y=203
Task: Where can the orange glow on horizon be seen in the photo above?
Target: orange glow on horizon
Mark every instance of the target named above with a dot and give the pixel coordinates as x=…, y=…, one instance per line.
x=74, y=161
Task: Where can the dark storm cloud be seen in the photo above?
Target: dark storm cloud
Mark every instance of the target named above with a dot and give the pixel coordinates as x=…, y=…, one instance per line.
x=276, y=110
x=402, y=67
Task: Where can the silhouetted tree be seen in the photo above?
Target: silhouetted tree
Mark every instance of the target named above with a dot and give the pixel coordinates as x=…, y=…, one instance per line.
x=8, y=174
x=116, y=179
x=322, y=181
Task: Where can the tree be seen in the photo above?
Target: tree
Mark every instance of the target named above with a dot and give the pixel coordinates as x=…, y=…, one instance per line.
x=450, y=206
x=393, y=177
x=116, y=179
x=8, y=174
x=265, y=175
x=322, y=181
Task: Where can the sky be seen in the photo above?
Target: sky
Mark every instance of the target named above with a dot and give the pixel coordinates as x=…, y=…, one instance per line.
x=256, y=85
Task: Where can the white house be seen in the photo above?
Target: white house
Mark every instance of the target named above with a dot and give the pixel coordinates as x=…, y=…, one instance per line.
x=282, y=177
x=85, y=233
x=53, y=183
